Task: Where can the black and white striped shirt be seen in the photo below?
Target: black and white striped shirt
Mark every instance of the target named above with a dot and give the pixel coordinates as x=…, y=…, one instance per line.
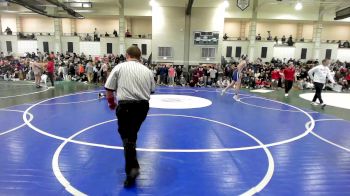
x=132, y=81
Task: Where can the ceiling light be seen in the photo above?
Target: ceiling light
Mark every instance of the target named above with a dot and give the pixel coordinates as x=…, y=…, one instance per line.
x=226, y=4
x=152, y=3
x=84, y=11
x=298, y=6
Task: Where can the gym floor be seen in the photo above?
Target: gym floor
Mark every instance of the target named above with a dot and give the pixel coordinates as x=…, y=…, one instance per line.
x=64, y=141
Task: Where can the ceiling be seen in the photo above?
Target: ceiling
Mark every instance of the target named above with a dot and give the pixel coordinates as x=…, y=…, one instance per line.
x=142, y=7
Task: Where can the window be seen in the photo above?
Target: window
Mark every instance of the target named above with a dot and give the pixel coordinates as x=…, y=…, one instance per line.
x=303, y=53
x=238, y=51
x=144, y=49
x=109, y=48
x=165, y=52
x=263, y=52
x=328, y=53
x=70, y=47
x=229, y=51
x=208, y=52
x=9, y=46
x=46, y=47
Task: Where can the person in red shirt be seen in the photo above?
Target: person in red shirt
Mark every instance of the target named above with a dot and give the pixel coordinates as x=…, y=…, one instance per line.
x=347, y=78
x=50, y=70
x=275, y=76
x=289, y=76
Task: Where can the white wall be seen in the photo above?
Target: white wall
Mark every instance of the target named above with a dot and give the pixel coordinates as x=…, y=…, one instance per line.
x=8, y=20
x=277, y=29
x=49, y=39
x=309, y=53
x=308, y=30
x=26, y=46
x=168, y=31
x=343, y=54
x=13, y=39
x=287, y=12
x=90, y=48
x=206, y=19
x=66, y=25
x=232, y=27
x=103, y=25
x=325, y=46
x=129, y=42
x=37, y=24
x=141, y=25
x=243, y=44
x=270, y=49
x=336, y=32
x=282, y=52
x=115, y=45
x=76, y=43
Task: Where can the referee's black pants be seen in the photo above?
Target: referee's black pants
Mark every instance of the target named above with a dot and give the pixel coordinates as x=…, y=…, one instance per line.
x=131, y=115
x=288, y=85
x=51, y=76
x=318, y=87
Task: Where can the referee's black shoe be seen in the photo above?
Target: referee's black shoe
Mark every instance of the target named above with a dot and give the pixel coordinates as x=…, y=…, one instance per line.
x=323, y=106
x=131, y=178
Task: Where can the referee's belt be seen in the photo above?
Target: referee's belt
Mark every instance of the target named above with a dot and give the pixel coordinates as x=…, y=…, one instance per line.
x=132, y=101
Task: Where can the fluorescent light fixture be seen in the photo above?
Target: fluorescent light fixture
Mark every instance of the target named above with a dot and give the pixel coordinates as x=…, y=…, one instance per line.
x=87, y=5
x=84, y=11
x=298, y=6
x=226, y=4
x=9, y=11
x=152, y=3
x=79, y=4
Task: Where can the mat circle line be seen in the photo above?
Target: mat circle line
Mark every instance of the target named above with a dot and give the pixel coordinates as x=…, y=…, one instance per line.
x=255, y=189
x=31, y=117
x=307, y=131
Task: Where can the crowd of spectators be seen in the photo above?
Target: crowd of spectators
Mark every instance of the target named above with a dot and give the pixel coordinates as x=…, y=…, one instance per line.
x=95, y=70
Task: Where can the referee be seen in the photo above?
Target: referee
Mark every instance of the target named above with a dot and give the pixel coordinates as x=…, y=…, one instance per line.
x=319, y=75
x=133, y=84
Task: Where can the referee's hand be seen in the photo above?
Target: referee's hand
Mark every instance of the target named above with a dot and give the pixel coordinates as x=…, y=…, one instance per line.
x=112, y=106
x=111, y=103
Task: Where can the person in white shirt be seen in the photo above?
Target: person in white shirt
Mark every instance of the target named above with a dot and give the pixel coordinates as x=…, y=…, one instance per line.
x=319, y=76
x=212, y=73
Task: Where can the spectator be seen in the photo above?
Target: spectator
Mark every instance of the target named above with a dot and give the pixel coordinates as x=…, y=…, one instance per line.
x=95, y=35
x=115, y=33
x=258, y=37
x=290, y=41
x=171, y=74
x=283, y=39
x=225, y=36
x=127, y=33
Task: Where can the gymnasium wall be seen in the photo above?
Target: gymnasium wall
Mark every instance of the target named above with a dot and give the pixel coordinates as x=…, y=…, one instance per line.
x=33, y=23
x=206, y=19
x=336, y=32
x=67, y=25
x=232, y=28
x=8, y=20
x=168, y=31
x=103, y=25
x=277, y=29
x=141, y=25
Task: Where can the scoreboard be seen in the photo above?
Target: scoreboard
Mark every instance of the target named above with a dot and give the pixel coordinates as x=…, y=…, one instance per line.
x=206, y=38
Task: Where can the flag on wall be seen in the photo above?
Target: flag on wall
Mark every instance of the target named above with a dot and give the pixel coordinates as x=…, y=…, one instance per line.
x=243, y=4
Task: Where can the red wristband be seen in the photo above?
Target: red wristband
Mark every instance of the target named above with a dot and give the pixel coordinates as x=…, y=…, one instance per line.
x=111, y=102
